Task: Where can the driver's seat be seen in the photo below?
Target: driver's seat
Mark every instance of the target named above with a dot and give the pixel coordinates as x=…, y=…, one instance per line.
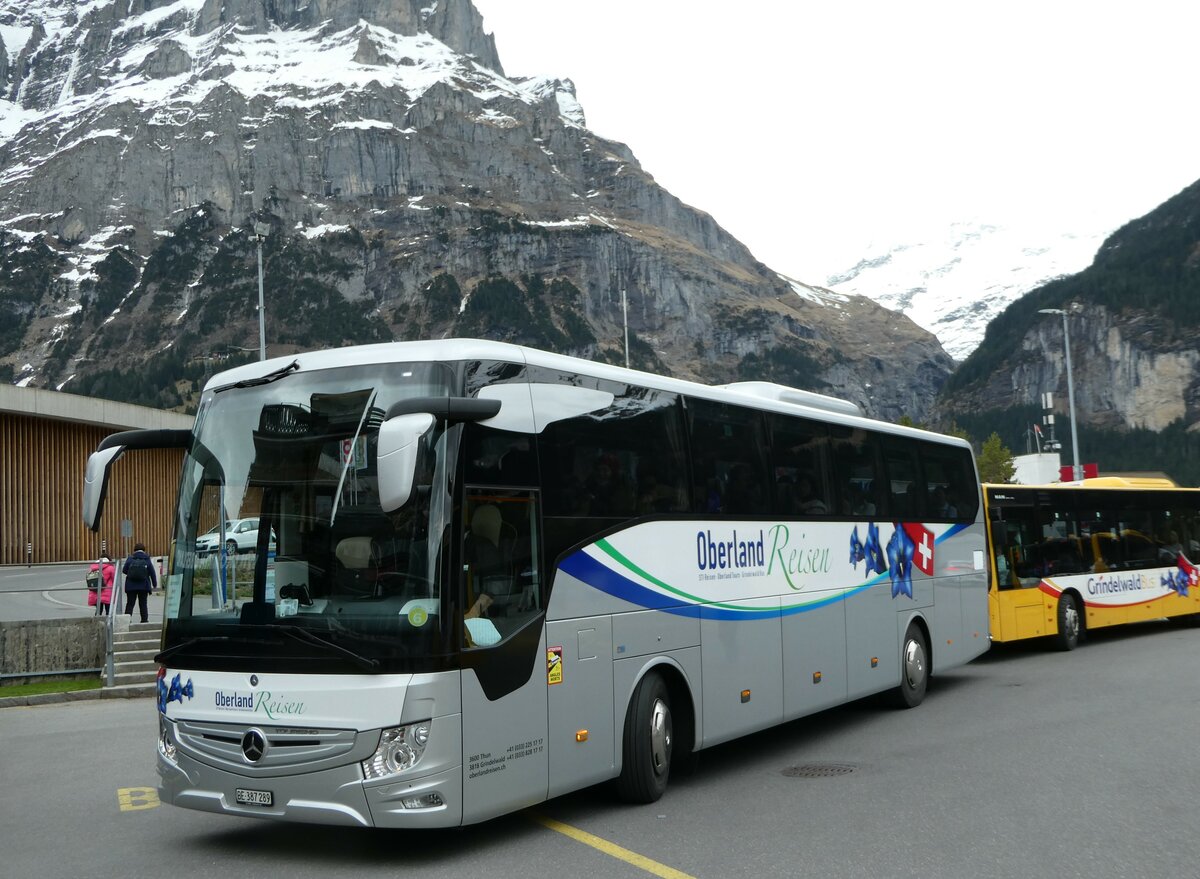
x=358, y=560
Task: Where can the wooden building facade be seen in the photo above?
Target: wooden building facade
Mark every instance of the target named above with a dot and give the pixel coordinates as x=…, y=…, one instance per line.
x=45, y=440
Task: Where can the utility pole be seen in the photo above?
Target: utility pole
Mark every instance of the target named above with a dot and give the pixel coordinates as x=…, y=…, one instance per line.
x=625, y=313
x=1077, y=466
x=261, y=231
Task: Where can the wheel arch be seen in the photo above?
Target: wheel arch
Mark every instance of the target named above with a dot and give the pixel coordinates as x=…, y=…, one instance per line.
x=1080, y=608
x=918, y=619
x=684, y=713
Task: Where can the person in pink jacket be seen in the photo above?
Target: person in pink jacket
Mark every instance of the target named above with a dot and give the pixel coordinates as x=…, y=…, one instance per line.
x=108, y=572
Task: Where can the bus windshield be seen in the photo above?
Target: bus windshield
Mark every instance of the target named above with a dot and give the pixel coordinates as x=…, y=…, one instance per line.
x=284, y=557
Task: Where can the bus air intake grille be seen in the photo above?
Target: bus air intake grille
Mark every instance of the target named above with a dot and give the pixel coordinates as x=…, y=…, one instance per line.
x=222, y=744
x=819, y=770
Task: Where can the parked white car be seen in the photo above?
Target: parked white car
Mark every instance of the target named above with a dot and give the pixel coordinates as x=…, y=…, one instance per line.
x=241, y=535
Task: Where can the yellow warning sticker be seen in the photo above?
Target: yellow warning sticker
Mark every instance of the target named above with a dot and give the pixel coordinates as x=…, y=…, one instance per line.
x=554, y=665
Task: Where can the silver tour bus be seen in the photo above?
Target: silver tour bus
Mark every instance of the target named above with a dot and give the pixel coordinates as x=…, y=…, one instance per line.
x=498, y=575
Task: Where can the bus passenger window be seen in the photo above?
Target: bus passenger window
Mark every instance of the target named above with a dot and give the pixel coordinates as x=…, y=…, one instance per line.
x=730, y=476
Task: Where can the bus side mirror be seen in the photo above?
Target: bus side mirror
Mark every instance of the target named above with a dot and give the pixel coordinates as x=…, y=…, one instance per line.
x=95, y=477
x=95, y=484
x=396, y=461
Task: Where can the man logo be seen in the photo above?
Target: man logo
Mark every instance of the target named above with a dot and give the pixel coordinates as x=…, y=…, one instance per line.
x=254, y=745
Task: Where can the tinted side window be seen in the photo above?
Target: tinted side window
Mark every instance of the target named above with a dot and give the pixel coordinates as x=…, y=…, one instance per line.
x=729, y=473
x=857, y=472
x=496, y=457
x=951, y=489
x=799, y=466
x=906, y=492
x=624, y=461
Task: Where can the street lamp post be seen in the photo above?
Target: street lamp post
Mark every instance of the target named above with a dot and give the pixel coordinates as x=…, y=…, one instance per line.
x=261, y=231
x=1077, y=468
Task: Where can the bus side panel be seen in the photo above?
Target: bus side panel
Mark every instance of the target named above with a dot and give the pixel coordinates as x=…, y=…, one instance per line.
x=504, y=746
x=739, y=655
x=944, y=619
x=654, y=631
x=814, y=659
x=973, y=594
x=580, y=694
x=872, y=643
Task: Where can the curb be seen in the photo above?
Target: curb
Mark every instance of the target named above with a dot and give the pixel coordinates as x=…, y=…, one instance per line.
x=69, y=696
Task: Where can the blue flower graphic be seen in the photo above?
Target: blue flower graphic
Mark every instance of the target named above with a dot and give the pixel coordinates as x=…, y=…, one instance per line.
x=874, y=552
x=900, y=555
x=1177, y=582
x=857, y=554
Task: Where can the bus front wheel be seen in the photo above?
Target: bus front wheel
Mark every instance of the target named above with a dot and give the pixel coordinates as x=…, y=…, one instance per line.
x=914, y=668
x=647, y=741
x=1068, y=622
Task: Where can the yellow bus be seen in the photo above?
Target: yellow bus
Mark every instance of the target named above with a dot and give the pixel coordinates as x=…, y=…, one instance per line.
x=1083, y=555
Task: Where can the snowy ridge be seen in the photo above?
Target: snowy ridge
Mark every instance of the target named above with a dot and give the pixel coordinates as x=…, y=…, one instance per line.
x=295, y=68
x=954, y=285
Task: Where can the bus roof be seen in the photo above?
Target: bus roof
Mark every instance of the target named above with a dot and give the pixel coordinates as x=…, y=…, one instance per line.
x=757, y=395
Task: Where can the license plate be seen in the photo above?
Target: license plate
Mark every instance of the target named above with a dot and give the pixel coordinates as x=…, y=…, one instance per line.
x=254, y=797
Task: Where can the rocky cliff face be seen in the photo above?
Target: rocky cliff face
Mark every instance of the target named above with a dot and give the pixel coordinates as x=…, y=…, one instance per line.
x=1132, y=321
x=410, y=190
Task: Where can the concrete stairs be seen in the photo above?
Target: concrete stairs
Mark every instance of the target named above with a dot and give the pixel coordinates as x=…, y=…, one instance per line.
x=134, y=670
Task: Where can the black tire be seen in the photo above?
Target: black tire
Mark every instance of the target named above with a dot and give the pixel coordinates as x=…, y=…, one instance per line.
x=914, y=668
x=646, y=743
x=231, y=546
x=1070, y=624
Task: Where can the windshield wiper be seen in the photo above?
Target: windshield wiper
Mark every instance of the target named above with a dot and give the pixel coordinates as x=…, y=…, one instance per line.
x=190, y=642
x=301, y=634
x=262, y=380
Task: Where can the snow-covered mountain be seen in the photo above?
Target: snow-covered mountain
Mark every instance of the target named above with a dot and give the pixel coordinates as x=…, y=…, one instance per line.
x=955, y=283
x=411, y=190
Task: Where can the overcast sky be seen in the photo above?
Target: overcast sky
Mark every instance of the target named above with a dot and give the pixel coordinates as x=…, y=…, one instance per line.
x=810, y=130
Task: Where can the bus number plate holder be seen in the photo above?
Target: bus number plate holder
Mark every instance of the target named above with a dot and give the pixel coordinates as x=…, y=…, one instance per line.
x=254, y=797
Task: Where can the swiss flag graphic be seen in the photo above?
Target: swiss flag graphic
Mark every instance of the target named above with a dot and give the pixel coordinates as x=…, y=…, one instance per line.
x=1190, y=570
x=922, y=539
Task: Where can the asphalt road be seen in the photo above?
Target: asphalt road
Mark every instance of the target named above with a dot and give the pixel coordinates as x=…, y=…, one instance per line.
x=44, y=592
x=1024, y=763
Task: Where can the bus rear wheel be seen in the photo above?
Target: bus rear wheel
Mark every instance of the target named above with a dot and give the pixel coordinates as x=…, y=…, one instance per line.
x=647, y=742
x=914, y=668
x=1068, y=622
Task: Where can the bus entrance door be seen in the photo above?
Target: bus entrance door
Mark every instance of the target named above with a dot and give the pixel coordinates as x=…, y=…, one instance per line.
x=505, y=754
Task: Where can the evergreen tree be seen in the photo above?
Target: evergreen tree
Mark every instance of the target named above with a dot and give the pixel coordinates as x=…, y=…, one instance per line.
x=996, y=461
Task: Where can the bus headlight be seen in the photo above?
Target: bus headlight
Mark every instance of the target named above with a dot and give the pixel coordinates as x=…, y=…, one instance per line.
x=166, y=743
x=399, y=749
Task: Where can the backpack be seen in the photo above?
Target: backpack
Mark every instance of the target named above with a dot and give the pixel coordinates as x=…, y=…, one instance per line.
x=93, y=580
x=139, y=568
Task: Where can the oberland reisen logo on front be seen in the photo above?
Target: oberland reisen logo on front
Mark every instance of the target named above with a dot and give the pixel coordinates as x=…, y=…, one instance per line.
x=254, y=745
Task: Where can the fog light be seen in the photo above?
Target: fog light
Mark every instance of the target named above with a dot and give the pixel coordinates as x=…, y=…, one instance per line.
x=399, y=749
x=428, y=801
x=166, y=744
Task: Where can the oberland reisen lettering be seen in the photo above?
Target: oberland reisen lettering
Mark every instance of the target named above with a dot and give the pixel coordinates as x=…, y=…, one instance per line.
x=712, y=555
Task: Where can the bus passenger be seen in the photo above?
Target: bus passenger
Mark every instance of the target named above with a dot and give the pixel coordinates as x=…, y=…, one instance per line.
x=807, y=502
x=742, y=495
x=610, y=496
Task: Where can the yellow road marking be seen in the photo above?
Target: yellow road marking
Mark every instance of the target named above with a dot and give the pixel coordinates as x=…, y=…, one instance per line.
x=611, y=849
x=133, y=799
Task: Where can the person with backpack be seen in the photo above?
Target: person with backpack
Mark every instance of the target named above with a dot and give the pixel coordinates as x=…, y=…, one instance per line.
x=139, y=580
x=100, y=583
